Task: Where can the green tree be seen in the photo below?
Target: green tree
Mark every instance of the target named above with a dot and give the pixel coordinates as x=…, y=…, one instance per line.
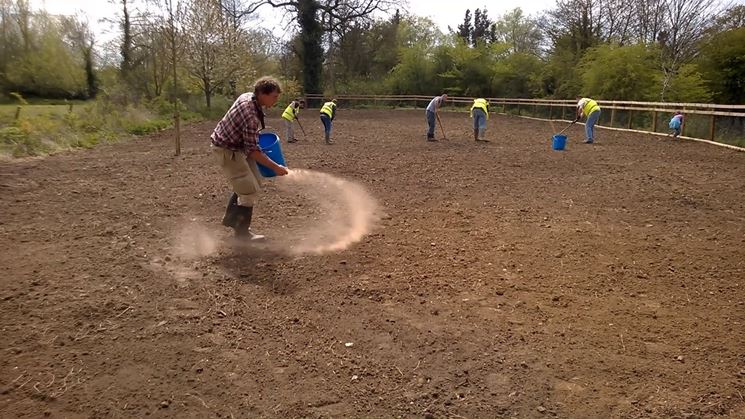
x=414, y=73
x=472, y=69
x=311, y=51
x=483, y=28
x=77, y=33
x=49, y=69
x=517, y=75
x=722, y=63
x=688, y=85
x=10, y=39
x=559, y=77
x=620, y=72
x=518, y=31
x=465, y=29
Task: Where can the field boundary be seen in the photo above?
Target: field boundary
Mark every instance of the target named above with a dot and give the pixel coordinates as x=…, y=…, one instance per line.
x=660, y=134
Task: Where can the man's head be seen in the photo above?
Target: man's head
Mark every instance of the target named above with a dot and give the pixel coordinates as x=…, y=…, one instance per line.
x=444, y=97
x=267, y=90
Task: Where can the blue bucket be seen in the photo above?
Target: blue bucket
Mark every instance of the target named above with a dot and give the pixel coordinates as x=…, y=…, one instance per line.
x=559, y=142
x=269, y=144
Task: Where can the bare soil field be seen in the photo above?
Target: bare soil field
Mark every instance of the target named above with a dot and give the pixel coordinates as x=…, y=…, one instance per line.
x=502, y=279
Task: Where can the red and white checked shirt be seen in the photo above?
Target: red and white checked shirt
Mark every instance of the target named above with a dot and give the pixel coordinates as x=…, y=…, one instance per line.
x=239, y=129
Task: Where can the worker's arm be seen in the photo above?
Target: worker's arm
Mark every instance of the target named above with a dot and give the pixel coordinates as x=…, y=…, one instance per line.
x=259, y=157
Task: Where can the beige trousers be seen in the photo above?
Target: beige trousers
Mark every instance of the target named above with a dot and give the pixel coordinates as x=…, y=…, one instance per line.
x=242, y=174
x=290, y=133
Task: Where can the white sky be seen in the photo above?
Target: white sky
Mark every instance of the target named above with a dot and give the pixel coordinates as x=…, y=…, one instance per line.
x=442, y=12
x=451, y=13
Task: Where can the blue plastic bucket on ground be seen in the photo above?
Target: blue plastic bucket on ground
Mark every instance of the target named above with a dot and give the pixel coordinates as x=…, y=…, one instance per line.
x=269, y=144
x=559, y=142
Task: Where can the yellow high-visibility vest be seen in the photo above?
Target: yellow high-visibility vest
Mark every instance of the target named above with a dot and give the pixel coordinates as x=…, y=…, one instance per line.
x=480, y=104
x=590, y=106
x=291, y=112
x=329, y=108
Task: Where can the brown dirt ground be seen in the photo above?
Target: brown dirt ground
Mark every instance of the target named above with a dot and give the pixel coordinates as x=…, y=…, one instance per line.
x=504, y=280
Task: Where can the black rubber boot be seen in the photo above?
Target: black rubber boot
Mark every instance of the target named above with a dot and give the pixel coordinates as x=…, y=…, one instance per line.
x=231, y=213
x=243, y=224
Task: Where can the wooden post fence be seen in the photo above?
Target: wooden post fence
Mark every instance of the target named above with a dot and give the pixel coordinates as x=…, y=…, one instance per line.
x=658, y=109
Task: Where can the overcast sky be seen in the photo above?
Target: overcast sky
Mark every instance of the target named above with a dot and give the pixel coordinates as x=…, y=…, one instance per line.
x=442, y=12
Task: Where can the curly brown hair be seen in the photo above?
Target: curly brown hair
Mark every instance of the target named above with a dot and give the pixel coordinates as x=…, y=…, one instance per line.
x=267, y=85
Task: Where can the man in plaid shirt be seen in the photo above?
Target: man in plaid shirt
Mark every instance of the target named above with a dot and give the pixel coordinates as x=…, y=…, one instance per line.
x=235, y=147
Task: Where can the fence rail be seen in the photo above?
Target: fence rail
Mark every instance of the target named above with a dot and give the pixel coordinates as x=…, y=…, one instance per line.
x=704, y=121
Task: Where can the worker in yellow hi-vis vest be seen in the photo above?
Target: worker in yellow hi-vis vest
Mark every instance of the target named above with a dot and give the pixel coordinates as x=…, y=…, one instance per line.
x=291, y=114
x=591, y=110
x=328, y=113
x=480, y=114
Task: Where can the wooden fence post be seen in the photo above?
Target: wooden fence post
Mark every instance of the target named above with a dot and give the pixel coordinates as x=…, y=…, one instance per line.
x=18, y=112
x=711, y=127
x=654, y=121
x=612, y=116
x=631, y=114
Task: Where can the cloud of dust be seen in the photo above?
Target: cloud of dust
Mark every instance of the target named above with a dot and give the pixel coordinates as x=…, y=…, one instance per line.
x=331, y=215
x=346, y=212
x=195, y=241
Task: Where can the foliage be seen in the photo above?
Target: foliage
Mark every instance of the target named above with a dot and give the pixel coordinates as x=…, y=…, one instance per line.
x=414, y=73
x=49, y=70
x=722, y=63
x=518, y=31
x=518, y=75
x=472, y=69
x=620, y=72
x=291, y=90
x=480, y=30
x=688, y=85
x=311, y=52
x=559, y=76
x=147, y=127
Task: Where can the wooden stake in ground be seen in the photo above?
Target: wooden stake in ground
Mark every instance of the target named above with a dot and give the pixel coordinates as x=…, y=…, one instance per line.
x=301, y=129
x=441, y=128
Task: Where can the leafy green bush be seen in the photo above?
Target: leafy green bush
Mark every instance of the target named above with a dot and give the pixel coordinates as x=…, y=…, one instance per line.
x=12, y=135
x=18, y=142
x=147, y=127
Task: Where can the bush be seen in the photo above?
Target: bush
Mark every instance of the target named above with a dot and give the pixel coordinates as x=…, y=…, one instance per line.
x=12, y=135
x=147, y=127
x=18, y=142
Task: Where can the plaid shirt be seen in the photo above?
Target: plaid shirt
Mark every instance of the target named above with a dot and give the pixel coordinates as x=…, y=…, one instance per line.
x=238, y=130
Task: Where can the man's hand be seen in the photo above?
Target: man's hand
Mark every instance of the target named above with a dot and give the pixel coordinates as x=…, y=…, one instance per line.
x=280, y=170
